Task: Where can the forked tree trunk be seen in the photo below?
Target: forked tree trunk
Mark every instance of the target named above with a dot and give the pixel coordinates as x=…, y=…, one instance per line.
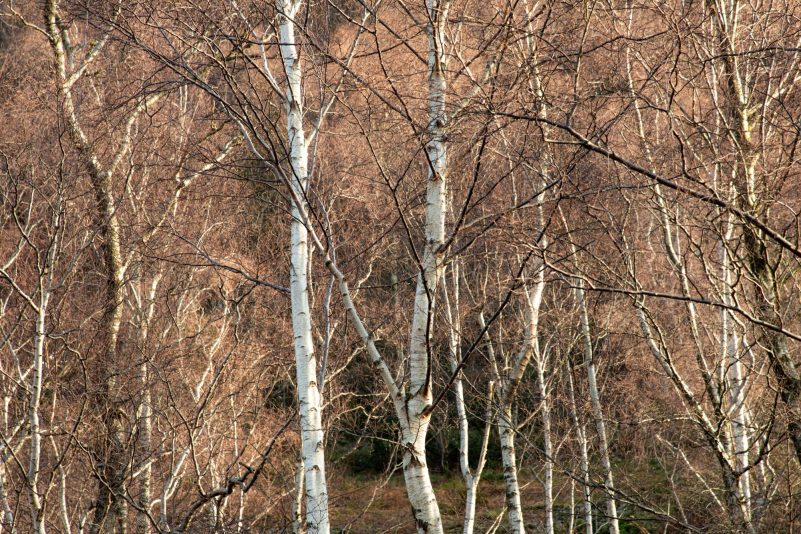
x=470, y=476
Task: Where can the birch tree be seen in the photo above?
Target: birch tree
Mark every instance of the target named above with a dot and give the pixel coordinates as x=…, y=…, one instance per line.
x=313, y=455
x=211, y=212
x=39, y=243
x=111, y=507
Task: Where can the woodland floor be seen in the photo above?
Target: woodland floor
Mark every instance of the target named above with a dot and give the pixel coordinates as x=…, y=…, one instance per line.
x=367, y=505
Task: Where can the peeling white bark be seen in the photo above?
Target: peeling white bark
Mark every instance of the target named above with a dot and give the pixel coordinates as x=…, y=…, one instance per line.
x=418, y=482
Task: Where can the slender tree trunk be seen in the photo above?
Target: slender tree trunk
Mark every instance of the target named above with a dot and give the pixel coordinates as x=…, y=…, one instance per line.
x=240, y=505
x=62, y=497
x=507, y=427
x=510, y=383
x=145, y=412
x=37, y=506
x=597, y=411
x=297, y=509
x=547, y=445
x=507, y=430
x=471, y=477
x=145, y=441
x=309, y=398
x=470, y=481
x=110, y=507
x=583, y=456
x=7, y=518
x=735, y=378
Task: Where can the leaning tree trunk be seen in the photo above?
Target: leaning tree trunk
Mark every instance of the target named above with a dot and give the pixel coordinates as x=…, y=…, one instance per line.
x=110, y=506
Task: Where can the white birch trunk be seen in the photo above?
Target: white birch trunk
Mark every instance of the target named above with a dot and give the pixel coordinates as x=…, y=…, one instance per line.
x=471, y=478
x=415, y=470
x=145, y=440
x=735, y=378
x=547, y=445
x=7, y=518
x=62, y=501
x=571, y=523
x=309, y=399
x=240, y=508
x=7, y=521
x=597, y=412
x=535, y=299
x=584, y=457
x=145, y=415
x=509, y=383
x=297, y=510
x=507, y=430
x=470, y=482
x=507, y=427
x=506, y=424
x=37, y=506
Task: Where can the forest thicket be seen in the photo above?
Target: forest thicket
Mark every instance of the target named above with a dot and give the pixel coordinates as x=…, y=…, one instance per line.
x=320, y=266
